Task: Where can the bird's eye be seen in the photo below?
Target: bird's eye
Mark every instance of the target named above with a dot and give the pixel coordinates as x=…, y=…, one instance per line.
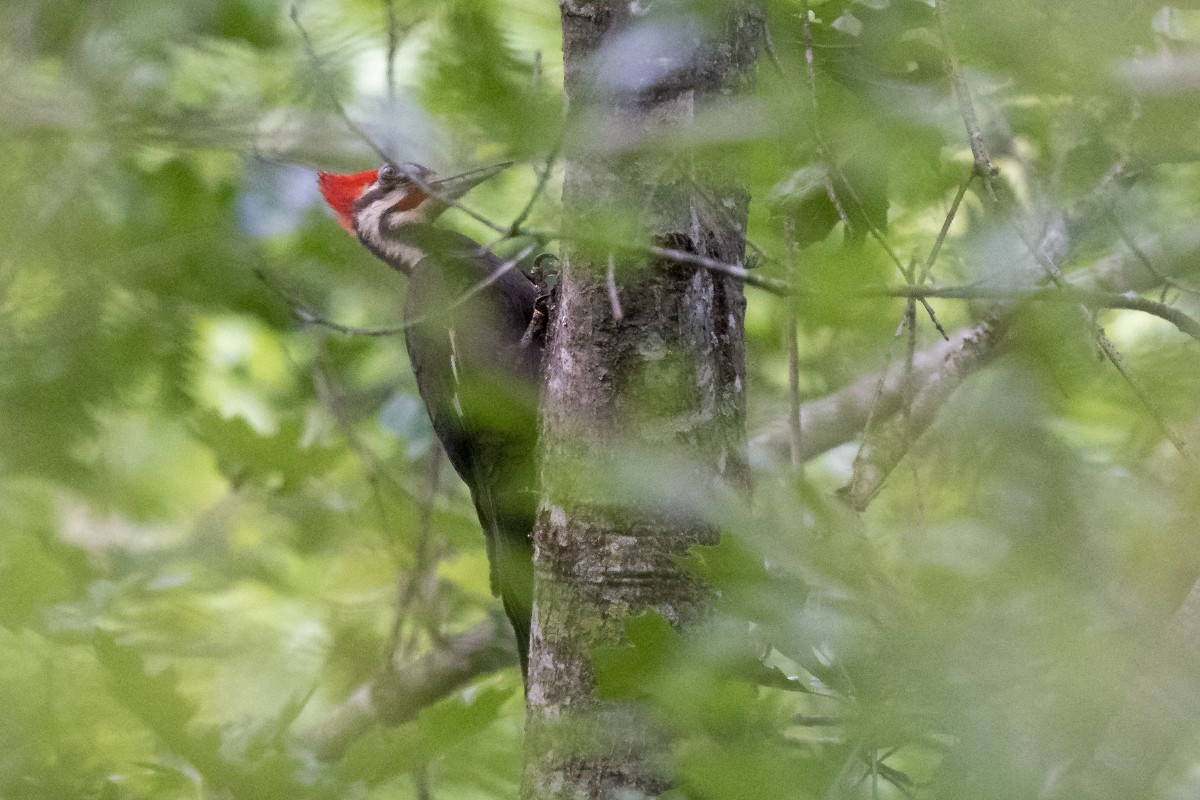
x=389, y=173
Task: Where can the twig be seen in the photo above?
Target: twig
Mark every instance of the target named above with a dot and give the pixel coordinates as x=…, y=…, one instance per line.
x=809, y=60
x=831, y=168
x=337, y=104
x=1167, y=281
x=423, y=782
x=716, y=206
x=407, y=590
x=307, y=316
x=826, y=156
x=837, y=418
x=1092, y=299
x=983, y=162
x=769, y=47
x=393, y=42
x=450, y=201
x=791, y=331
x=397, y=695
x=514, y=229
x=941, y=239
x=944, y=368
x=771, y=285
x=881, y=452
x=1108, y=349
x=987, y=172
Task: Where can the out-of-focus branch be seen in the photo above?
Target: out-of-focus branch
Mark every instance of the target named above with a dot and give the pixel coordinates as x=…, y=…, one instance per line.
x=837, y=418
x=400, y=692
x=1130, y=301
x=315, y=58
x=962, y=92
x=1120, y=273
x=885, y=446
x=882, y=451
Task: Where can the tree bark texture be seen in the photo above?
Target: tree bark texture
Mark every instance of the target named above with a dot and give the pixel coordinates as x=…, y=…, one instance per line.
x=644, y=357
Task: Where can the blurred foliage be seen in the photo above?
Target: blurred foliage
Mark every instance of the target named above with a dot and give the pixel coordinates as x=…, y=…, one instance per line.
x=208, y=508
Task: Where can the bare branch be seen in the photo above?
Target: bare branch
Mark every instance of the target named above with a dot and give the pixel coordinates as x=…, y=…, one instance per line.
x=1065, y=293
x=393, y=43
x=839, y=417
x=515, y=229
x=962, y=92
x=306, y=315
x=941, y=239
x=744, y=275
x=311, y=50
x=882, y=451
x=399, y=693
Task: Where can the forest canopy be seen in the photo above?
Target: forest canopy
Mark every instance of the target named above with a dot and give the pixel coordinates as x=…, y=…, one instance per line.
x=235, y=563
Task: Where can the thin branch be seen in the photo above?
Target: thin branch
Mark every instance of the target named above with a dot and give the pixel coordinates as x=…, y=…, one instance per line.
x=837, y=418
x=941, y=239
x=769, y=47
x=719, y=208
x=1167, y=281
x=311, y=50
x=515, y=228
x=1066, y=292
x=393, y=43
x=408, y=590
x=809, y=60
x=791, y=332
x=1108, y=349
x=983, y=162
x=776, y=287
x=397, y=695
x=987, y=172
x=941, y=369
x=453, y=203
x=306, y=315
x=887, y=446
x=826, y=156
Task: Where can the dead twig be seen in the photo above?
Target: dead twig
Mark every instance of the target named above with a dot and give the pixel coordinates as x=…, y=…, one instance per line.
x=983, y=162
x=311, y=50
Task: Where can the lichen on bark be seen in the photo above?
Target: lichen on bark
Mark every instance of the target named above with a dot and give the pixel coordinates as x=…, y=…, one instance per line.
x=657, y=388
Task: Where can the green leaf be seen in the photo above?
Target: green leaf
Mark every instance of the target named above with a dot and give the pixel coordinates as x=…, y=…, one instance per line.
x=280, y=461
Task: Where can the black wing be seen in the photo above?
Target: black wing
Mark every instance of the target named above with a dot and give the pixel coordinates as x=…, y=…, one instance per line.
x=480, y=386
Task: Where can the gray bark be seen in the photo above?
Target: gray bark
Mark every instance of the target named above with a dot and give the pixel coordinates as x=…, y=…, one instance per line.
x=656, y=373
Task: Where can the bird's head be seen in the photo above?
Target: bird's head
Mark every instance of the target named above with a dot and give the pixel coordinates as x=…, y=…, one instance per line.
x=382, y=206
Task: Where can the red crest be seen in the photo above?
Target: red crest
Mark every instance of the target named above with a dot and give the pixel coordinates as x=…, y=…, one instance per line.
x=340, y=192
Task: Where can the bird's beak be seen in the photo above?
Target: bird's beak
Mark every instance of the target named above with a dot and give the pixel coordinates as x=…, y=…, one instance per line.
x=447, y=190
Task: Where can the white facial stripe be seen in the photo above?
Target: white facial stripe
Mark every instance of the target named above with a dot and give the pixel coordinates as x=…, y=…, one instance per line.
x=378, y=216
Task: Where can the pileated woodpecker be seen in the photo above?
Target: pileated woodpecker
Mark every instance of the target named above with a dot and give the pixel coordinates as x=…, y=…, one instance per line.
x=466, y=313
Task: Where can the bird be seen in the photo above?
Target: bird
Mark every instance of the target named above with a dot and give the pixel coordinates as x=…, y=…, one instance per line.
x=476, y=358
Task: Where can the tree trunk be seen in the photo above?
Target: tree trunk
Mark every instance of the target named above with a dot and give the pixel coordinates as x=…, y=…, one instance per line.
x=645, y=372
